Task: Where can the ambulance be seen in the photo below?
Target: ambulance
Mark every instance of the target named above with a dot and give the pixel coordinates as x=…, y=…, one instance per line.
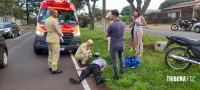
x=68, y=23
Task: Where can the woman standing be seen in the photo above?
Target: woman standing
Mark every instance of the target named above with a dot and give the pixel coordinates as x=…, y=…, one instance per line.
x=131, y=25
x=138, y=32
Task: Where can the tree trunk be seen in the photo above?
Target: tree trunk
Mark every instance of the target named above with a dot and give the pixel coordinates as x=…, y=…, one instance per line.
x=145, y=6
x=93, y=8
x=139, y=4
x=90, y=14
x=132, y=5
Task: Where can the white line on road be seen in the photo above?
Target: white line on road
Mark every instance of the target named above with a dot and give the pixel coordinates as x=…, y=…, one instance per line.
x=84, y=82
x=23, y=35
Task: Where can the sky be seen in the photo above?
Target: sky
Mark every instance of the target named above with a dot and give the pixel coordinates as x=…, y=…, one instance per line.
x=119, y=4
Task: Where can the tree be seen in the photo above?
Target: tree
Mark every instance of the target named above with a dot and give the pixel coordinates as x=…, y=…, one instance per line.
x=91, y=12
x=18, y=12
x=79, y=4
x=168, y=3
x=98, y=13
x=10, y=8
x=126, y=11
x=143, y=7
x=85, y=19
x=31, y=7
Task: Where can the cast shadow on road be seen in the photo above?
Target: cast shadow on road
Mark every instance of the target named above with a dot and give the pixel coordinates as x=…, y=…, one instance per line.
x=10, y=38
x=63, y=53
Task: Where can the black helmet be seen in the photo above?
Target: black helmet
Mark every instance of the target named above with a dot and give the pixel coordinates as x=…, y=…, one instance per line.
x=96, y=54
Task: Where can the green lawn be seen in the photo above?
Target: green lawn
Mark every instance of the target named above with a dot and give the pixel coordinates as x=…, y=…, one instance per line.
x=24, y=27
x=150, y=75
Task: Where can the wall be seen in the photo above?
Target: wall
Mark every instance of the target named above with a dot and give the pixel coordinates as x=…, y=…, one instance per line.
x=12, y=19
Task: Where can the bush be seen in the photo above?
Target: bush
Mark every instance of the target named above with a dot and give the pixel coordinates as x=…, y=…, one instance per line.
x=84, y=18
x=126, y=19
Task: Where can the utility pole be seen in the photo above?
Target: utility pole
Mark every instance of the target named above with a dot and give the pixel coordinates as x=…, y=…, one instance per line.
x=104, y=15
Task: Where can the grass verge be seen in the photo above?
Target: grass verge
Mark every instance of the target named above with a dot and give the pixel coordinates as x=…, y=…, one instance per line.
x=24, y=27
x=159, y=26
x=150, y=75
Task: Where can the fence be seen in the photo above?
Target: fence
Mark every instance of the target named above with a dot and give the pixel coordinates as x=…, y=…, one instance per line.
x=12, y=19
x=160, y=21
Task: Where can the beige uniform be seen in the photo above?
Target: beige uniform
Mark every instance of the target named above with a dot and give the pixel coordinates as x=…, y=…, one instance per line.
x=82, y=53
x=54, y=34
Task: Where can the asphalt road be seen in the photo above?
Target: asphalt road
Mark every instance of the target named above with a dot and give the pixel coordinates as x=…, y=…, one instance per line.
x=162, y=32
x=28, y=71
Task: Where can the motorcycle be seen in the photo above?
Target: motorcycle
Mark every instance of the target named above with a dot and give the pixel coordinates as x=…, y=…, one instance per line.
x=183, y=24
x=182, y=57
x=193, y=21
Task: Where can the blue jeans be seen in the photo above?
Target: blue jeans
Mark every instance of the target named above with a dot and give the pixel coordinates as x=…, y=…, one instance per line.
x=113, y=53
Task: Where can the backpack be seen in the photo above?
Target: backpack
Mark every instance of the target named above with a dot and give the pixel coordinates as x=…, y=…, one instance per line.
x=132, y=62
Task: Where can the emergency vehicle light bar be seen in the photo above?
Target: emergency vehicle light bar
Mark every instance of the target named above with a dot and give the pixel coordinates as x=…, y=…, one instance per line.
x=57, y=1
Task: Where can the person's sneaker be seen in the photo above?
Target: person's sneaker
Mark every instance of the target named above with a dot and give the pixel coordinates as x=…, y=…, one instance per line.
x=84, y=65
x=74, y=81
x=50, y=69
x=131, y=49
x=100, y=81
x=116, y=77
x=136, y=53
x=122, y=72
x=79, y=61
x=140, y=55
x=56, y=72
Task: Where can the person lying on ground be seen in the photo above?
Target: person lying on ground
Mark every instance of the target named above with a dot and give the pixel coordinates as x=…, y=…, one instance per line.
x=95, y=68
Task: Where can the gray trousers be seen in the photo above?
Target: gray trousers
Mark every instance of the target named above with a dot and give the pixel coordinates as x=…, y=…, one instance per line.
x=113, y=52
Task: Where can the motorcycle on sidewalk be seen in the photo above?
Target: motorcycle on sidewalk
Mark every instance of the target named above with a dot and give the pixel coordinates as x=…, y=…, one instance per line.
x=182, y=57
x=183, y=24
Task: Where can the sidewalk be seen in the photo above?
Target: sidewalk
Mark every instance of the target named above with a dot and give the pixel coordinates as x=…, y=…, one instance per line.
x=151, y=26
x=159, y=26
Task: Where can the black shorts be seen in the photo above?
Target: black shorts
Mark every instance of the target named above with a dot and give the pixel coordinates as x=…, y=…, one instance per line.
x=132, y=33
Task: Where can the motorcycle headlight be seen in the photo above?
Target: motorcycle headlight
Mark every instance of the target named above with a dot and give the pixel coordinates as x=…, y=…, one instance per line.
x=39, y=33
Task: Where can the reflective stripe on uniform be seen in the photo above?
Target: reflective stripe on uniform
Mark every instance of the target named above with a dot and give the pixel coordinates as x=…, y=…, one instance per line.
x=52, y=40
x=54, y=65
x=57, y=46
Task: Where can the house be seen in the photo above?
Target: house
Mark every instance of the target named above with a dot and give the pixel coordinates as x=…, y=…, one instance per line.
x=148, y=11
x=185, y=10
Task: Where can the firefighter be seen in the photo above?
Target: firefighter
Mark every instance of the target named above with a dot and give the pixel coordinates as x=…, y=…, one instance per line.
x=83, y=52
x=54, y=34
